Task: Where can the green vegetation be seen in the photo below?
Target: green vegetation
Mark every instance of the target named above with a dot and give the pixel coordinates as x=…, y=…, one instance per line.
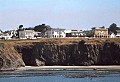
x=82, y=42
x=112, y=28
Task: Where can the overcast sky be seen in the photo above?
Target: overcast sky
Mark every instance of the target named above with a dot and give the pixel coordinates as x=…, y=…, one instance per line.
x=68, y=14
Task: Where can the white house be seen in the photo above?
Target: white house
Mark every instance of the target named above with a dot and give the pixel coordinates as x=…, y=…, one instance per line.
x=74, y=33
x=12, y=33
x=55, y=33
x=5, y=36
x=67, y=33
x=112, y=35
x=26, y=34
x=1, y=34
x=8, y=34
x=38, y=34
x=118, y=33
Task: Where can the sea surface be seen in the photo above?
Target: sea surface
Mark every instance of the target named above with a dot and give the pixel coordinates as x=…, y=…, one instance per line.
x=60, y=76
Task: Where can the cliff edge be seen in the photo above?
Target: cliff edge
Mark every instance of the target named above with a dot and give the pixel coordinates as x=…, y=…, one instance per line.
x=65, y=52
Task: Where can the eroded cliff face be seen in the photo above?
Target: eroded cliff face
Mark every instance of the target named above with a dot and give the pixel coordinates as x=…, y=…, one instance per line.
x=9, y=57
x=40, y=53
x=110, y=54
x=17, y=54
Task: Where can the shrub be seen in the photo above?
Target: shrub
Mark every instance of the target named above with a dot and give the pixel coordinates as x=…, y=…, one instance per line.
x=81, y=42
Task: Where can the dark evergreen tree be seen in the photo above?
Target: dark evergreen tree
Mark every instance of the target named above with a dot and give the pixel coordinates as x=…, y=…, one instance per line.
x=20, y=26
x=41, y=28
x=112, y=28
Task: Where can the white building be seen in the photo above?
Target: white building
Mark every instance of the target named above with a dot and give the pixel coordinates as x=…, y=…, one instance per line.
x=27, y=34
x=112, y=35
x=118, y=33
x=1, y=34
x=5, y=36
x=38, y=35
x=55, y=33
x=74, y=33
x=8, y=34
x=12, y=33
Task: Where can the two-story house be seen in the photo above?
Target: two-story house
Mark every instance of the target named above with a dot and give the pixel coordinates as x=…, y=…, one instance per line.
x=100, y=32
x=26, y=34
x=55, y=33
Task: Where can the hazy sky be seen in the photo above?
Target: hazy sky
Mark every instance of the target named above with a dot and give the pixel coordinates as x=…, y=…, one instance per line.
x=69, y=14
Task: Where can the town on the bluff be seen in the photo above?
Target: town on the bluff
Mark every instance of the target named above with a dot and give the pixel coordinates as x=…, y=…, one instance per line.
x=45, y=31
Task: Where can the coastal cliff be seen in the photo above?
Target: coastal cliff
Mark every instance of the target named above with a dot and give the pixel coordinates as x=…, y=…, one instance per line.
x=9, y=57
x=57, y=52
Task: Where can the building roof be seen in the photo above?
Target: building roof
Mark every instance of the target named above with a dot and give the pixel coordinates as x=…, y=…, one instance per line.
x=101, y=29
x=74, y=30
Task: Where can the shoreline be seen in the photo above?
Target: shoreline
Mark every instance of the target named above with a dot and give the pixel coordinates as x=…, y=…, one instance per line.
x=69, y=68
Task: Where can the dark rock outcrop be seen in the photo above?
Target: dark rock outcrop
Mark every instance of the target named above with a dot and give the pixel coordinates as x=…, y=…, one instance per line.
x=76, y=54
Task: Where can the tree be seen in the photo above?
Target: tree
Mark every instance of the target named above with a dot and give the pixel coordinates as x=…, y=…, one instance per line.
x=112, y=28
x=1, y=31
x=102, y=27
x=113, y=25
x=30, y=28
x=42, y=28
x=93, y=28
x=20, y=26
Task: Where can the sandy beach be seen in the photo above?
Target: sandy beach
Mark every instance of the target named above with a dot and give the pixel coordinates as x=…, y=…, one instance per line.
x=69, y=68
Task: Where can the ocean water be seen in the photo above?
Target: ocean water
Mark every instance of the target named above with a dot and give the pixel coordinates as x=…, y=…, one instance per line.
x=60, y=76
